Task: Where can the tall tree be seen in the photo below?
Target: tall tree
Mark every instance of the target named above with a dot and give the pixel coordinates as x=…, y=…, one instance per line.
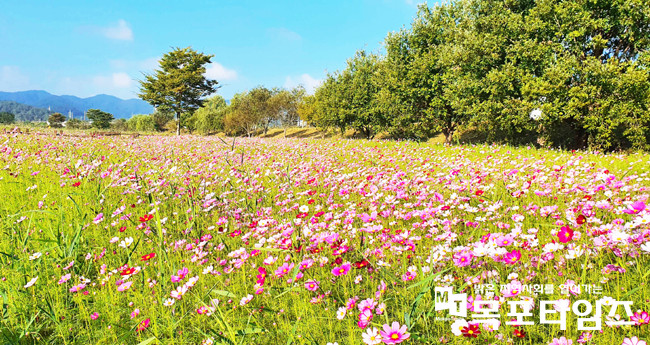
x=100, y=119
x=180, y=84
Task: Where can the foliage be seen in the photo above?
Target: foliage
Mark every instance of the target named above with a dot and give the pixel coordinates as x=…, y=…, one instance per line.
x=490, y=64
x=141, y=122
x=180, y=83
x=56, y=120
x=100, y=119
x=77, y=124
x=210, y=117
x=7, y=118
x=23, y=112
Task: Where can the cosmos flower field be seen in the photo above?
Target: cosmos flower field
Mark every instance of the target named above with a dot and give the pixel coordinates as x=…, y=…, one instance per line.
x=203, y=240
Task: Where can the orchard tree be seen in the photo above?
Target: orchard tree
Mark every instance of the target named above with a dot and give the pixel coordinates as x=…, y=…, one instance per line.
x=100, y=119
x=56, y=120
x=180, y=84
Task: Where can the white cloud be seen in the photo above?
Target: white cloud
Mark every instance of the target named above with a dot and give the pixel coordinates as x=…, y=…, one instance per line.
x=122, y=80
x=284, y=34
x=114, y=82
x=310, y=83
x=12, y=79
x=216, y=71
x=121, y=31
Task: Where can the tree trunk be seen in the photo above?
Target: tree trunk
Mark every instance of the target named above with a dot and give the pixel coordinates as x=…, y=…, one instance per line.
x=285, y=132
x=178, y=123
x=448, y=135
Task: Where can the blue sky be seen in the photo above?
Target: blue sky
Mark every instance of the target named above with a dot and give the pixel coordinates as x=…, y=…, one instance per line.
x=84, y=48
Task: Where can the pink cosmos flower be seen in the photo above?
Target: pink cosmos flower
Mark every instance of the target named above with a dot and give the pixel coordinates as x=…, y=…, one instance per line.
x=640, y=318
x=98, y=219
x=561, y=341
x=504, y=241
x=633, y=341
x=364, y=318
x=637, y=207
x=565, y=234
x=143, y=325
x=94, y=316
x=124, y=286
x=513, y=289
x=77, y=288
x=463, y=259
x=181, y=275
x=584, y=338
x=342, y=270
x=512, y=257
x=312, y=285
x=284, y=270
x=394, y=334
x=64, y=278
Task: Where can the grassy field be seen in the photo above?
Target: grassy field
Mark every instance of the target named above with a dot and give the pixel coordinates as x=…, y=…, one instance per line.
x=209, y=240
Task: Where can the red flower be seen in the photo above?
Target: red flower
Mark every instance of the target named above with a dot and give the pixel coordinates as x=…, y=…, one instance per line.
x=146, y=218
x=148, y=256
x=470, y=331
x=141, y=327
x=310, y=201
x=128, y=271
x=122, y=228
x=519, y=333
x=361, y=263
x=478, y=192
x=581, y=219
x=76, y=184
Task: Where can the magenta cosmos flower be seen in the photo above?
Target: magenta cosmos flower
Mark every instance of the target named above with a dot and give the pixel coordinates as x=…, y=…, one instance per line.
x=341, y=270
x=512, y=257
x=637, y=207
x=463, y=259
x=640, y=318
x=565, y=234
x=394, y=334
x=311, y=285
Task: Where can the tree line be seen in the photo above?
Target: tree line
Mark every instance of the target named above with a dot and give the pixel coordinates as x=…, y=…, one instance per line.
x=564, y=73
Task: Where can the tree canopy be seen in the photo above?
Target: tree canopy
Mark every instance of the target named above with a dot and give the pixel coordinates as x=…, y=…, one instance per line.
x=566, y=73
x=180, y=83
x=100, y=119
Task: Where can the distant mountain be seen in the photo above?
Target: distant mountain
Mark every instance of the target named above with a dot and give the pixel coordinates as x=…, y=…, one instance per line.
x=120, y=108
x=24, y=112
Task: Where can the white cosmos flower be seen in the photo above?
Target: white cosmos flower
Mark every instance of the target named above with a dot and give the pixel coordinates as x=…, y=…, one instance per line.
x=457, y=326
x=646, y=247
x=31, y=283
x=35, y=256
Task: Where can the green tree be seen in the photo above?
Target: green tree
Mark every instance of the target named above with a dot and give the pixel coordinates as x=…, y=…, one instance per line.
x=100, y=119
x=180, y=83
x=141, y=122
x=284, y=104
x=6, y=118
x=56, y=120
x=242, y=116
x=161, y=117
x=210, y=117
